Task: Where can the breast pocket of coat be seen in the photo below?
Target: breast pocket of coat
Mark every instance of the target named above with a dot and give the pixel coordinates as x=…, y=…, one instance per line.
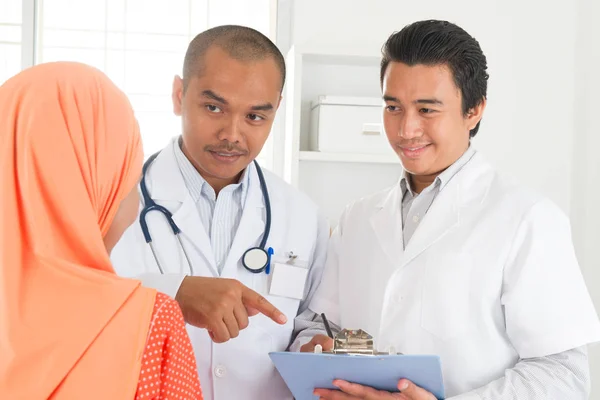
x=447, y=296
x=281, y=334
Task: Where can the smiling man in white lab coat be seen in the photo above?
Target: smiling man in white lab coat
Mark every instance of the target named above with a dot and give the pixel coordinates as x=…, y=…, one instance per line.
x=227, y=98
x=455, y=260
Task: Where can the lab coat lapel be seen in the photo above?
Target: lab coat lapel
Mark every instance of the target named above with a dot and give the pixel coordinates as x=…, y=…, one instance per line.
x=167, y=185
x=252, y=225
x=387, y=225
x=442, y=217
x=194, y=234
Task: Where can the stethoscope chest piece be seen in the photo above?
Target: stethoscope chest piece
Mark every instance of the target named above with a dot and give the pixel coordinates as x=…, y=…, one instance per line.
x=255, y=259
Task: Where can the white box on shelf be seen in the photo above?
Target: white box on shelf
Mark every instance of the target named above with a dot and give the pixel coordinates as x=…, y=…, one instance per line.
x=348, y=125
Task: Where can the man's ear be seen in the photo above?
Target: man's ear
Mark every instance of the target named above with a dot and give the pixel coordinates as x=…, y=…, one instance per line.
x=177, y=95
x=475, y=114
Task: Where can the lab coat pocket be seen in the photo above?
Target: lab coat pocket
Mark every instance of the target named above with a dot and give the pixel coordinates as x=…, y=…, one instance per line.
x=289, y=306
x=281, y=334
x=244, y=361
x=258, y=337
x=447, y=296
x=256, y=374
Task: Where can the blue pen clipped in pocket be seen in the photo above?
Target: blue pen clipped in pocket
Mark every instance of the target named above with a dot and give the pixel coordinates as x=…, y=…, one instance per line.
x=270, y=254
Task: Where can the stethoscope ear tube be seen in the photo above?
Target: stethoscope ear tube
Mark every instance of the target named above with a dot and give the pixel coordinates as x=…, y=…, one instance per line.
x=265, y=193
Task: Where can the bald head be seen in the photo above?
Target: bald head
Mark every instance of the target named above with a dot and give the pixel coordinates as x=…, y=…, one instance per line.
x=239, y=42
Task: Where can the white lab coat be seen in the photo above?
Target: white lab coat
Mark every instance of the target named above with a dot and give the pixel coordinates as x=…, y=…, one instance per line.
x=240, y=368
x=490, y=276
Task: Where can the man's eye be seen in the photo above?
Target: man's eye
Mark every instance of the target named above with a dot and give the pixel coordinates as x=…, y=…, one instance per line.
x=212, y=108
x=255, y=117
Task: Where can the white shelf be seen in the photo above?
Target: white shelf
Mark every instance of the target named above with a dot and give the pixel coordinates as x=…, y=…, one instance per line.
x=348, y=157
x=329, y=177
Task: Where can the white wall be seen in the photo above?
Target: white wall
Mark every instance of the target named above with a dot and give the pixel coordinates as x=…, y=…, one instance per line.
x=541, y=125
x=586, y=163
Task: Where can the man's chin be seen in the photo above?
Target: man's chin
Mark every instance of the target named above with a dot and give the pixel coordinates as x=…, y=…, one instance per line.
x=227, y=174
x=415, y=167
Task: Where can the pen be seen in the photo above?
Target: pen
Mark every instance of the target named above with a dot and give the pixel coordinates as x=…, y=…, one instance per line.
x=269, y=254
x=327, y=328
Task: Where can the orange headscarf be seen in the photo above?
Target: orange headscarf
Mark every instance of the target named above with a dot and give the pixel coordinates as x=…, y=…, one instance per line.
x=70, y=152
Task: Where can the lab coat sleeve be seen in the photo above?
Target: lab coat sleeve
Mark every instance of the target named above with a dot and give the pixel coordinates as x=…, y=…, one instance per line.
x=168, y=284
x=315, y=275
x=132, y=258
x=559, y=376
x=309, y=324
x=325, y=300
x=546, y=303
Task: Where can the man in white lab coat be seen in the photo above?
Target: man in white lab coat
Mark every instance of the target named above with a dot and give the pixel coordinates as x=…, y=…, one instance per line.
x=227, y=98
x=455, y=260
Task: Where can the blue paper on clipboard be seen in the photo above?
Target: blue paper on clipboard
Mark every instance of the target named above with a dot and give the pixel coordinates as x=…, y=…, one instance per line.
x=303, y=372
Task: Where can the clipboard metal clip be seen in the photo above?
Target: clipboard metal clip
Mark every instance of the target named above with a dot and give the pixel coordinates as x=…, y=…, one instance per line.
x=354, y=342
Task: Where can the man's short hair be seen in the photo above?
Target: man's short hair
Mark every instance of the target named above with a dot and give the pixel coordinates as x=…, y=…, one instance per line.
x=435, y=42
x=239, y=42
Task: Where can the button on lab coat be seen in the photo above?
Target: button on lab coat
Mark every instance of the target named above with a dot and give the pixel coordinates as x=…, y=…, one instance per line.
x=240, y=368
x=490, y=276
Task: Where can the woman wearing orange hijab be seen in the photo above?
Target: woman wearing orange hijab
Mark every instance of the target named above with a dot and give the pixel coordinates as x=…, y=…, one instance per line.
x=70, y=158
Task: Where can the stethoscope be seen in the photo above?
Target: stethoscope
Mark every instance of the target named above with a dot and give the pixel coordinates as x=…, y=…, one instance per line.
x=255, y=259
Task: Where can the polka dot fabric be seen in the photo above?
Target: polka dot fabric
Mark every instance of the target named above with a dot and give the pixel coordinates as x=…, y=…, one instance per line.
x=168, y=367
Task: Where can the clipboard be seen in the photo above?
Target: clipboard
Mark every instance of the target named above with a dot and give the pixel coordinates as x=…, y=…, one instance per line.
x=354, y=359
x=304, y=372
